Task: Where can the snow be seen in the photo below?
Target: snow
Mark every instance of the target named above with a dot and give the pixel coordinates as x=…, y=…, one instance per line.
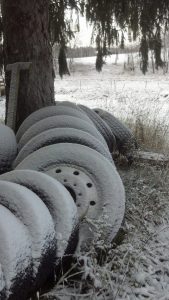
x=15, y=248
x=63, y=121
x=125, y=94
x=2, y=281
x=8, y=147
x=47, y=112
x=56, y=198
x=61, y=135
x=103, y=174
x=28, y=207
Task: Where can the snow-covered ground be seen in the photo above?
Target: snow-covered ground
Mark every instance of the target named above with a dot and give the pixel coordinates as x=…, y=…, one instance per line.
x=128, y=94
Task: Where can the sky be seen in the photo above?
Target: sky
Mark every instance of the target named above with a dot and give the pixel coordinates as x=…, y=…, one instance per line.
x=84, y=36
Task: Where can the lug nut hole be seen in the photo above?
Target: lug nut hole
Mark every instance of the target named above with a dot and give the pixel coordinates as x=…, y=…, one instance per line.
x=92, y=203
x=76, y=173
x=58, y=171
x=89, y=185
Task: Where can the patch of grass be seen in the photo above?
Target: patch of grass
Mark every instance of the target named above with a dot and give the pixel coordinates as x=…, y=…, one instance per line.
x=151, y=135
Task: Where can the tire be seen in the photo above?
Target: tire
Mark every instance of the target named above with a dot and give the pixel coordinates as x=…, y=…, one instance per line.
x=57, y=199
x=93, y=180
x=59, y=122
x=68, y=104
x=33, y=213
x=8, y=148
x=15, y=256
x=46, y=112
x=62, y=135
x=102, y=127
x=2, y=285
x=126, y=142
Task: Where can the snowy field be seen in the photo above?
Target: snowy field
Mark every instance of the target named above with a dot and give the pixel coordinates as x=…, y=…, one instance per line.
x=127, y=94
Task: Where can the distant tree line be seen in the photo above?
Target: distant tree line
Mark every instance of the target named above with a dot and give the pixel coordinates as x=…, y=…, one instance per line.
x=77, y=52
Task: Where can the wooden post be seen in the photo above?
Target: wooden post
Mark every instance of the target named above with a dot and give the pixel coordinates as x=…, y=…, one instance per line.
x=13, y=92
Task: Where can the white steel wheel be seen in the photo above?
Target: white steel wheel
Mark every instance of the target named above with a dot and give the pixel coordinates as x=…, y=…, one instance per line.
x=92, y=180
x=57, y=199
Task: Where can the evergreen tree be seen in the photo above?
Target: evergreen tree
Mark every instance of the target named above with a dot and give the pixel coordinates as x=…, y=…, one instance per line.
x=30, y=28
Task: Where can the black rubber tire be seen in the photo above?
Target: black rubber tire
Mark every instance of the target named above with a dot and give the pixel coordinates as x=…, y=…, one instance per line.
x=126, y=142
x=46, y=112
x=33, y=213
x=102, y=126
x=15, y=256
x=110, y=190
x=57, y=199
x=2, y=285
x=8, y=148
x=62, y=135
x=59, y=122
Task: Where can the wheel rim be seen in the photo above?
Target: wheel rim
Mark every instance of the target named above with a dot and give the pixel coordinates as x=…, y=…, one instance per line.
x=79, y=184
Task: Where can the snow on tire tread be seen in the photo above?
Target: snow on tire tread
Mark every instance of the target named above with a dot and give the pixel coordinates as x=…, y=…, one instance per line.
x=57, y=199
x=33, y=213
x=62, y=135
x=46, y=112
x=59, y=122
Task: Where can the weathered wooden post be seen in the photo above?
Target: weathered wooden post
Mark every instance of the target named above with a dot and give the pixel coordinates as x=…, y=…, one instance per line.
x=13, y=92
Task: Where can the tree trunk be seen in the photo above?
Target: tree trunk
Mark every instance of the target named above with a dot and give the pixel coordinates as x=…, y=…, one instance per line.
x=26, y=39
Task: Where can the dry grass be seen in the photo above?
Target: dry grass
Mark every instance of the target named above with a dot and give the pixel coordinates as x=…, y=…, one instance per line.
x=151, y=135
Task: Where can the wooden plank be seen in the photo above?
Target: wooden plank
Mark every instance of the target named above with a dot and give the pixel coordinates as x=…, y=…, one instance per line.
x=151, y=157
x=13, y=92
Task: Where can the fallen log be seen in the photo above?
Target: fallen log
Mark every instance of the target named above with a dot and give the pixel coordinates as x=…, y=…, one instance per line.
x=151, y=157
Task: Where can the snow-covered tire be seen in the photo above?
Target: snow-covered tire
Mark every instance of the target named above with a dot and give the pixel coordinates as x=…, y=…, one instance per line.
x=62, y=135
x=102, y=126
x=59, y=122
x=2, y=285
x=15, y=257
x=57, y=199
x=46, y=112
x=126, y=142
x=33, y=213
x=68, y=104
x=94, y=181
x=8, y=148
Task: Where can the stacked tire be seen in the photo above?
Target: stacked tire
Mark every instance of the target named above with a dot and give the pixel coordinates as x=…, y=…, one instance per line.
x=74, y=145
x=64, y=167
x=33, y=231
